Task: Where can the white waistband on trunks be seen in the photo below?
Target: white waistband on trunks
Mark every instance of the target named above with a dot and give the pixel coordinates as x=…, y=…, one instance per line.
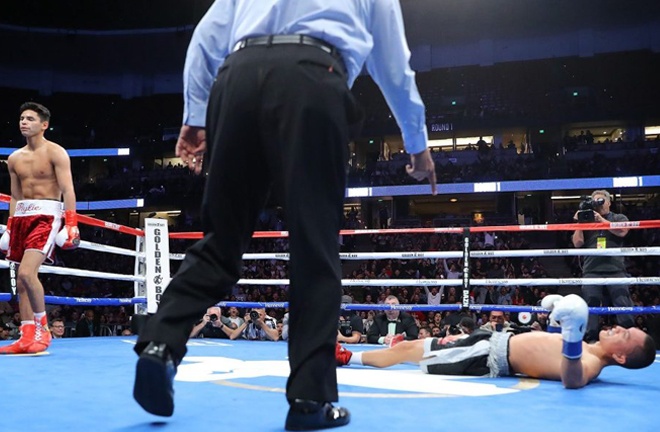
x=36, y=207
x=498, y=359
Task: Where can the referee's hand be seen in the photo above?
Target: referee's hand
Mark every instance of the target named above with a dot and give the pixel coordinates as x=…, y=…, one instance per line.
x=190, y=147
x=422, y=167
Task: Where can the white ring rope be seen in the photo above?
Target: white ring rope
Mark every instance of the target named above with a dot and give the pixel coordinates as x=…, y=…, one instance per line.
x=625, y=251
x=85, y=273
x=84, y=244
x=109, y=249
x=481, y=282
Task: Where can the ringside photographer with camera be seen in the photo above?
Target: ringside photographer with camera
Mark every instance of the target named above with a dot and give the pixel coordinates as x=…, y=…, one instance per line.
x=213, y=325
x=597, y=209
x=257, y=326
x=350, y=324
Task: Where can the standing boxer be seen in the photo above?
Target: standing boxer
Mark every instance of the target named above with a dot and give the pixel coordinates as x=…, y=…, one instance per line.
x=40, y=174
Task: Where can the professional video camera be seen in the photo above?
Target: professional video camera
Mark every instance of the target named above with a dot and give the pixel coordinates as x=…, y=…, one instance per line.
x=454, y=330
x=587, y=207
x=345, y=328
x=254, y=315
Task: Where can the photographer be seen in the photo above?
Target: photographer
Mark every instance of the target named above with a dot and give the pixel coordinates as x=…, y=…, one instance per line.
x=598, y=206
x=257, y=326
x=350, y=324
x=213, y=325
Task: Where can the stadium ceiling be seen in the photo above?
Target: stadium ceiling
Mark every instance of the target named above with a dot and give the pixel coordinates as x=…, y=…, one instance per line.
x=427, y=21
x=97, y=39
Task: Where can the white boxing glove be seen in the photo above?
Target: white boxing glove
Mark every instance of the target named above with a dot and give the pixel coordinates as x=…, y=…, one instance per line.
x=4, y=240
x=572, y=313
x=549, y=302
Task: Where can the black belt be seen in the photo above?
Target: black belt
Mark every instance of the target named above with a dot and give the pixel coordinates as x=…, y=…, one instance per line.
x=294, y=39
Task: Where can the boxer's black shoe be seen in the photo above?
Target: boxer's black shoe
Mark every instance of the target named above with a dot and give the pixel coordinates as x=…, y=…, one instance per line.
x=311, y=415
x=154, y=377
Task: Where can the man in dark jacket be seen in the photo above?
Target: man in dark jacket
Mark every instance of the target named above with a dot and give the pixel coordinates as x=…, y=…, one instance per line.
x=391, y=324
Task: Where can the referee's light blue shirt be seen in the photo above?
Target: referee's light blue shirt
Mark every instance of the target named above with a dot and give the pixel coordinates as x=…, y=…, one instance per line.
x=364, y=31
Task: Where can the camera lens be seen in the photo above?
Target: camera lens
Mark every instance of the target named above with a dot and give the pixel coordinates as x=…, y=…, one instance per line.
x=213, y=317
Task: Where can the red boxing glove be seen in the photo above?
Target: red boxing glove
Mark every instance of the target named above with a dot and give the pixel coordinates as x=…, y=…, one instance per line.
x=69, y=236
x=4, y=240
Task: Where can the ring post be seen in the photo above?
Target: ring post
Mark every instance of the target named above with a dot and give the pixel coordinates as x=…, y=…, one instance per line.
x=139, y=288
x=465, y=303
x=157, y=261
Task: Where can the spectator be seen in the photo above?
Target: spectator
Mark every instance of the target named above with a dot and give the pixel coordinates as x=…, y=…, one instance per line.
x=285, y=327
x=5, y=331
x=390, y=324
x=234, y=318
x=57, y=328
x=89, y=325
x=424, y=332
x=497, y=322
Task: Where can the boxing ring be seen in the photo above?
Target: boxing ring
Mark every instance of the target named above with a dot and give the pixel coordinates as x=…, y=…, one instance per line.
x=239, y=385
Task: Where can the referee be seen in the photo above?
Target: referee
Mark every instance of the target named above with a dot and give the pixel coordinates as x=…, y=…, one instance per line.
x=267, y=105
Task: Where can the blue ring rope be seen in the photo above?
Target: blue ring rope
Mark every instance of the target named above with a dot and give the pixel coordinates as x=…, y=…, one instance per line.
x=77, y=301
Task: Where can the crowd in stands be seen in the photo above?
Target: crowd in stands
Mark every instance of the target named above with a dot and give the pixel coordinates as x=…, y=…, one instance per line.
x=101, y=321
x=497, y=162
x=157, y=183
x=166, y=183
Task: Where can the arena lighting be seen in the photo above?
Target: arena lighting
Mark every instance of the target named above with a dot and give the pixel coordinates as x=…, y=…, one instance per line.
x=614, y=196
x=567, y=197
x=652, y=130
x=459, y=141
x=573, y=184
x=100, y=205
x=6, y=151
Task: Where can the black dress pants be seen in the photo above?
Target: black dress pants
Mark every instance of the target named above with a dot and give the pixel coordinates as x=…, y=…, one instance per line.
x=606, y=295
x=278, y=117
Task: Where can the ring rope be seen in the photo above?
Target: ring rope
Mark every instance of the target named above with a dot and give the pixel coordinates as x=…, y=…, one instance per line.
x=109, y=225
x=449, y=307
x=389, y=255
x=624, y=251
x=478, y=229
x=88, y=220
x=109, y=249
x=480, y=282
x=73, y=301
x=80, y=272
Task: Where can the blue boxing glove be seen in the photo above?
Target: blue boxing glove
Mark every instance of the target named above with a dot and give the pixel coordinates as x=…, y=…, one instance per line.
x=572, y=313
x=549, y=302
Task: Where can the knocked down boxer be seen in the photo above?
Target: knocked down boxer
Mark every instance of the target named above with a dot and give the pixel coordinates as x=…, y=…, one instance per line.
x=559, y=354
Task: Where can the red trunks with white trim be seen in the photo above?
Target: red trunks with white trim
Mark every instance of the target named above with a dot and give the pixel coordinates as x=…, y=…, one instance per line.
x=34, y=227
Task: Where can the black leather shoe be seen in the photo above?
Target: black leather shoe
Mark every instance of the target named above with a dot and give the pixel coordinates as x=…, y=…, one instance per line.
x=154, y=376
x=311, y=415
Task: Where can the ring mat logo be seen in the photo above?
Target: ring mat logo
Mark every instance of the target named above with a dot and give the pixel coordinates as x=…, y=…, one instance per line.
x=363, y=382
